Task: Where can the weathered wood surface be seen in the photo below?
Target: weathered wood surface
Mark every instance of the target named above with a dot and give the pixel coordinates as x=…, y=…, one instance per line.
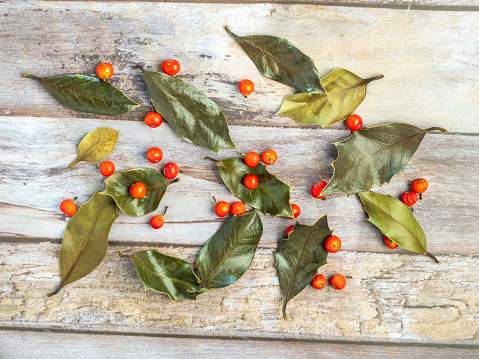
x=428, y=57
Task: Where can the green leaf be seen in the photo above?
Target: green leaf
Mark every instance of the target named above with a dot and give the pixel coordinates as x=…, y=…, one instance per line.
x=373, y=156
x=299, y=256
x=191, y=114
x=119, y=183
x=344, y=93
x=271, y=196
x=396, y=221
x=279, y=60
x=86, y=93
x=229, y=252
x=96, y=145
x=165, y=274
x=85, y=240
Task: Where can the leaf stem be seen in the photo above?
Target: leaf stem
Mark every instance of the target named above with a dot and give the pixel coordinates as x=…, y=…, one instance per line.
x=30, y=76
x=56, y=290
x=437, y=129
x=432, y=256
x=211, y=159
x=74, y=163
x=371, y=79
x=227, y=28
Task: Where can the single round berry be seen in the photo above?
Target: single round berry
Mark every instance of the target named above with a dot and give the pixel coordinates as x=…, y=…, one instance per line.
x=157, y=222
x=354, y=122
x=246, y=87
x=409, y=198
x=170, y=67
x=251, y=159
x=250, y=181
x=332, y=244
x=317, y=188
x=154, y=155
x=319, y=281
x=222, y=208
x=238, y=208
x=390, y=243
x=68, y=207
x=338, y=281
x=289, y=230
x=296, y=210
x=104, y=71
x=269, y=157
x=107, y=168
x=153, y=119
x=419, y=186
x=138, y=190
x=171, y=170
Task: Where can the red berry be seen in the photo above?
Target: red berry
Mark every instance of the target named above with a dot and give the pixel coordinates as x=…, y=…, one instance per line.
x=390, y=243
x=250, y=181
x=319, y=281
x=419, y=186
x=354, y=122
x=269, y=157
x=68, y=207
x=222, y=208
x=137, y=190
x=246, y=87
x=333, y=244
x=157, y=222
x=107, y=168
x=238, y=208
x=409, y=198
x=338, y=282
x=104, y=71
x=171, y=170
x=154, y=155
x=153, y=119
x=296, y=210
x=251, y=159
x=317, y=188
x=289, y=230
x=170, y=67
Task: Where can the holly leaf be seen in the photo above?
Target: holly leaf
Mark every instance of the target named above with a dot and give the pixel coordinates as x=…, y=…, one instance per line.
x=299, y=256
x=85, y=240
x=229, y=252
x=96, y=145
x=86, y=93
x=373, y=156
x=271, y=196
x=119, y=183
x=166, y=274
x=192, y=115
x=278, y=59
x=344, y=93
x=396, y=221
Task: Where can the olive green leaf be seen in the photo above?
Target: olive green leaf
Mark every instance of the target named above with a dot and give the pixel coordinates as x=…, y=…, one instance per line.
x=271, y=196
x=166, y=274
x=96, y=145
x=85, y=240
x=191, y=114
x=396, y=221
x=229, y=252
x=344, y=93
x=119, y=183
x=86, y=93
x=279, y=60
x=299, y=256
x=373, y=156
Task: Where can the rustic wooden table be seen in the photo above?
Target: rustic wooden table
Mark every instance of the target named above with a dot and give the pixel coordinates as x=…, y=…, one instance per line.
x=396, y=304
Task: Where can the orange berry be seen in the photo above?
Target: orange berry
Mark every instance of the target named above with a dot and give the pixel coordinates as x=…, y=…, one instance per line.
x=222, y=208
x=319, y=281
x=153, y=119
x=68, y=207
x=269, y=157
x=238, y=208
x=154, y=155
x=251, y=159
x=296, y=210
x=419, y=186
x=409, y=198
x=332, y=244
x=338, y=281
x=104, y=71
x=354, y=122
x=138, y=190
x=157, y=222
x=289, y=230
x=250, y=181
x=171, y=170
x=246, y=87
x=317, y=189
x=170, y=67
x=390, y=243
x=107, y=168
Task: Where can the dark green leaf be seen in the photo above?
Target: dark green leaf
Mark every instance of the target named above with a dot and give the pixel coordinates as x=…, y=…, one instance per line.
x=85, y=240
x=96, y=145
x=344, y=93
x=118, y=186
x=279, y=60
x=191, y=114
x=86, y=93
x=373, y=156
x=271, y=196
x=396, y=221
x=229, y=252
x=299, y=256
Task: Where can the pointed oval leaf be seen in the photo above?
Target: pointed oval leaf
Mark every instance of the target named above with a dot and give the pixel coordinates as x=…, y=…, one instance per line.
x=229, y=252
x=373, y=156
x=271, y=196
x=278, y=59
x=299, y=256
x=85, y=240
x=118, y=186
x=396, y=221
x=96, y=145
x=86, y=93
x=191, y=114
x=344, y=93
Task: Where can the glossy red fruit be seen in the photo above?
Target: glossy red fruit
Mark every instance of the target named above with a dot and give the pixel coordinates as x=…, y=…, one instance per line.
x=332, y=244
x=319, y=281
x=157, y=222
x=390, y=243
x=289, y=230
x=238, y=208
x=107, y=168
x=317, y=188
x=250, y=181
x=170, y=67
x=171, y=170
x=154, y=155
x=251, y=159
x=409, y=198
x=354, y=122
x=338, y=281
x=68, y=207
x=419, y=186
x=138, y=190
x=246, y=87
x=104, y=71
x=222, y=208
x=269, y=157
x=153, y=119
x=296, y=210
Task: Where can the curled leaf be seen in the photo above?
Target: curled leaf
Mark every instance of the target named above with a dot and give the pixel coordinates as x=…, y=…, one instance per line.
x=96, y=145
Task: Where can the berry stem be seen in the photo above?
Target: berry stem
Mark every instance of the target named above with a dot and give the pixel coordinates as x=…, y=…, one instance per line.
x=324, y=198
x=214, y=199
x=74, y=199
x=420, y=196
x=164, y=212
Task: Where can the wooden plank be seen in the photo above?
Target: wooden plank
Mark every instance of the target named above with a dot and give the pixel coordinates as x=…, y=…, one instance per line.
x=430, y=71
